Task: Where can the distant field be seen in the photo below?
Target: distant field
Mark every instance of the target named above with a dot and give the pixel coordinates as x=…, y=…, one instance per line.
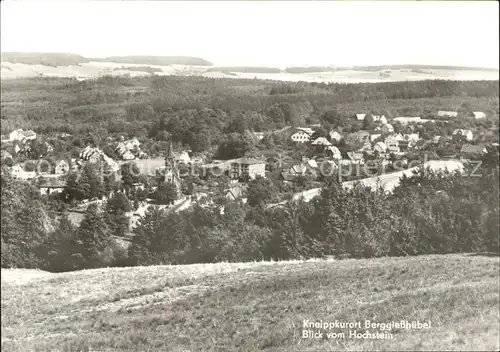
x=18, y=69
x=254, y=306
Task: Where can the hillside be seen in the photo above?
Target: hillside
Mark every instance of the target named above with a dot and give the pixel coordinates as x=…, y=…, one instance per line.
x=256, y=306
x=67, y=59
x=46, y=59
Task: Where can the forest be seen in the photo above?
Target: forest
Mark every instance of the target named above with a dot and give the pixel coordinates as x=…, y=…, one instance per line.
x=426, y=214
x=202, y=113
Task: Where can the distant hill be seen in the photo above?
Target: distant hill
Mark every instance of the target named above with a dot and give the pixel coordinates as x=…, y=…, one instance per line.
x=417, y=67
x=47, y=59
x=156, y=60
x=67, y=59
x=245, y=69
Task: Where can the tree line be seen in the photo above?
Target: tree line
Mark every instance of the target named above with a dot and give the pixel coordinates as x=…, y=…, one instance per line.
x=428, y=213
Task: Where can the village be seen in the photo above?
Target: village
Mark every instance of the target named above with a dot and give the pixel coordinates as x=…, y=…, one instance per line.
x=378, y=141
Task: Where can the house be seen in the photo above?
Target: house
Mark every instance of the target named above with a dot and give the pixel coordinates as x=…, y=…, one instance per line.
x=399, y=137
x=355, y=157
x=248, y=167
x=469, y=151
x=124, y=150
x=406, y=120
x=132, y=143
x=375, y=136
x=62, y=167
x=258, y=135
x=411, y=137
x=321, y=141
x=447, y=113
x=335, y=136
x=380, y=119
x=17, y=171
x=306, y=168
x=461, y=133
x=334, y=152
x=360, y=117
x=17, y=148
x=479, y=114
x=91, y=154
x=380, y=147
x=29, y=135
x=408, y=141
x=128, y=155
x=182, y=157
x=94, y=155
x=20, y=135
x=387, y=128
x=360, y=136
x=301, y=136
x=392, y=144
x=236, y=191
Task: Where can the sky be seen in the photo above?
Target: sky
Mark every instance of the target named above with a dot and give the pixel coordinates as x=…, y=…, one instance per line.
x=261, y=33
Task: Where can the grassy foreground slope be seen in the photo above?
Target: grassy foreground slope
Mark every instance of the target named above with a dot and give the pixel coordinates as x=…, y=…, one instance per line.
x=253, y=307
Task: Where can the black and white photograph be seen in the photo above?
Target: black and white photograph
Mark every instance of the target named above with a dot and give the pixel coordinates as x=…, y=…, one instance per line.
x=278, y=176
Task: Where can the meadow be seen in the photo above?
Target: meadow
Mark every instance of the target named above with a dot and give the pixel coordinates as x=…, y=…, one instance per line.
x=258, y=306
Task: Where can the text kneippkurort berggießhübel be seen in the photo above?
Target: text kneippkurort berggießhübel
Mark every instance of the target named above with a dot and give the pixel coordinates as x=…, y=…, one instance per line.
x=361, y=330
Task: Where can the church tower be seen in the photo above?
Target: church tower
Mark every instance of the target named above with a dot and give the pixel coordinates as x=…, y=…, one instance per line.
x=171, y=169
